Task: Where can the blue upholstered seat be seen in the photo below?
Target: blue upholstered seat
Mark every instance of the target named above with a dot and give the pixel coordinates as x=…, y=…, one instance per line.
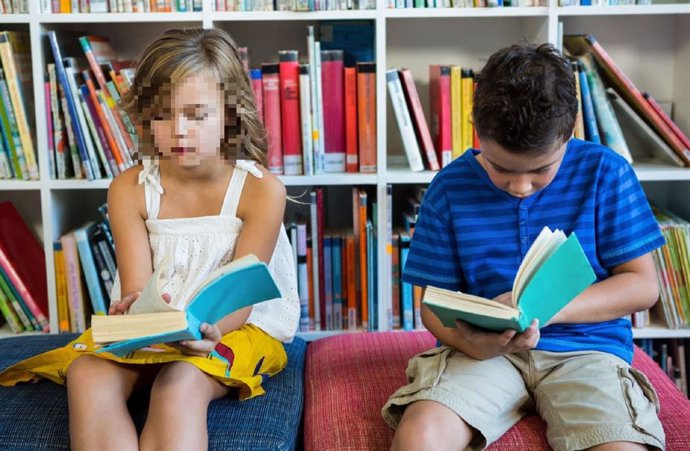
x=34, y=417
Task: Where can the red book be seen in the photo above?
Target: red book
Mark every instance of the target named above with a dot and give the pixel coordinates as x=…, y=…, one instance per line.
x=270, y=78
x=366, y=109
x=420, y=126
x=255, y=76
x=584, y=44
x=439, y=101
x=333, y=110
x=23, y=261
x=679, y=133
x=289, y=112
x=475, y=140
x=351, y=152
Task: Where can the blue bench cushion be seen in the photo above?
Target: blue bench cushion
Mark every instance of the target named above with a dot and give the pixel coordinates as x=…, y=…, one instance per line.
x=34, y=417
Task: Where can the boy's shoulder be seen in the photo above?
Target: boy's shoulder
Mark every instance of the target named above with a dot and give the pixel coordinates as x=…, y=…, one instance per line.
x=594, y=160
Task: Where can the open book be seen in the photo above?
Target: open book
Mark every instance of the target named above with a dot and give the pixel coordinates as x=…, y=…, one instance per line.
x=151, y=320
x=554, y=271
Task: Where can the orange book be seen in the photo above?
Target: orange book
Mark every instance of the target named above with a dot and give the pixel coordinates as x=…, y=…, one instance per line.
x=351, y=282
x=363, y=281
x=366, y=116
x=116, y=151
x=351, y=151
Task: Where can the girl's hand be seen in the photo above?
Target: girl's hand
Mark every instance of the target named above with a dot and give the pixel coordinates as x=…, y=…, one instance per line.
x=486, y=345
x=120, y=307
x=204, y=346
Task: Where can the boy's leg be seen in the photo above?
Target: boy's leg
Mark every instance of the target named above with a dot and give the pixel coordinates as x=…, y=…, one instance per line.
x=178, y=408
x=453, y=401
x=590, y=399
x=97, y=392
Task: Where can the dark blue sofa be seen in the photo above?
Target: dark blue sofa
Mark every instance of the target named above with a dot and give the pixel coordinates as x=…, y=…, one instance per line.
x=34, y=417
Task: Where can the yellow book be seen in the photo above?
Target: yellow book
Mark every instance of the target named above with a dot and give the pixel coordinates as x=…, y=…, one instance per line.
x=579, y=131
x=456, y=111
x=15, y=54
x=467, y=80
x=61, y=287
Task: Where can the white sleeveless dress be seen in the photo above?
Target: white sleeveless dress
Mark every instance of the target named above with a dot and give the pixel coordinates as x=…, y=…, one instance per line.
x=244, y=357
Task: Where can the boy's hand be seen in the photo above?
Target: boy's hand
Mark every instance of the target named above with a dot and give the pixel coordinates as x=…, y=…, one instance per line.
x=484, y=345
x=120, y=307
x=505, y=298
x=204, y=346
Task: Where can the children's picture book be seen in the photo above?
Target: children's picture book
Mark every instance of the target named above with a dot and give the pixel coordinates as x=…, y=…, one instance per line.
x=151, y=320
x=554, y=271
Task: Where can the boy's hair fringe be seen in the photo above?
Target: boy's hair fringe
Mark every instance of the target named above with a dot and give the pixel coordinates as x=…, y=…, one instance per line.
x=180, y=53
x=526, y=99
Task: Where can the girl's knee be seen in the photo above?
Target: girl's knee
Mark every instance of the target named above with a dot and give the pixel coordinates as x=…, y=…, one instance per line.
x=180, y=380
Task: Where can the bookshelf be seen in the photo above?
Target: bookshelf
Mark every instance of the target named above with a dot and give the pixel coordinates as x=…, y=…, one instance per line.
x=651, y=44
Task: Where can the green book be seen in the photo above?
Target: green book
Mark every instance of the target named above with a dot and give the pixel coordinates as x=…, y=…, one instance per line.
x=554, y=271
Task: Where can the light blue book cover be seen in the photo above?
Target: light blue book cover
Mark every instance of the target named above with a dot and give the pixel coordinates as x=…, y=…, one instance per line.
x=242, y=283
x=88, y=265
x=553, y=273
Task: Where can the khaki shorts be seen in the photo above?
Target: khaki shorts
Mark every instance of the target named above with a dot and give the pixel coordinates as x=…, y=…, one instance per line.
x=586, y=398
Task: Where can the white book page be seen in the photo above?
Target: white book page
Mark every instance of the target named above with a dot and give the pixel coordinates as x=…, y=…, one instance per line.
x=150, y=299
x=544, y=246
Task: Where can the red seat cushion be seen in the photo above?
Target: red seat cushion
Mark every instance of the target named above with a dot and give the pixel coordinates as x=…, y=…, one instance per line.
x=348, y=379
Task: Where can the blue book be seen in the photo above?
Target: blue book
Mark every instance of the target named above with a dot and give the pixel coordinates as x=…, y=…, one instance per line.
x=151, y=320
x=88, y=265
x=588, y=115
x=336, y=277
x=406, y=291
x=554, y=271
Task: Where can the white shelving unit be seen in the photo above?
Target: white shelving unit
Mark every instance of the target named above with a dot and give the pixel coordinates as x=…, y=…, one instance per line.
x=650, y=43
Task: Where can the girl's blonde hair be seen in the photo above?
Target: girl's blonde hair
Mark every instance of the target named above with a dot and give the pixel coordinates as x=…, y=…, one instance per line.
x=180, y=53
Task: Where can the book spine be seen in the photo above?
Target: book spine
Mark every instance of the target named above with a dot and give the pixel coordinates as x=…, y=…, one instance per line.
x=591, y=130
x=74, y=284
x=402, y=116
x=10, y=67
x=79, y=170
x=89, y=155
x=328, y=279
x=11, y=131
x=22, y=290
x=49, y=126
x=321, y=258
x=467, y=94
x=456, y=111
x=9, y=314
x=96, y=132
x=61, y=287
x=113, y=154
x=333, y=110
x=657, y=108
x=351, y=283
x=366, y=116
x=20, y=308
x=88, y=266
x=270, y=77
x=306, y=119
x=303, y=276
x=363, y=267
x=351, y=151
x=289, y=111
x=395, y=282
x=316, y=252
x=406, y=291
x=579, y=131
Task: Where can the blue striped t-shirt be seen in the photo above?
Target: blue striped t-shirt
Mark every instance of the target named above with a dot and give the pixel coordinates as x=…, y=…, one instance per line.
x=471, y=236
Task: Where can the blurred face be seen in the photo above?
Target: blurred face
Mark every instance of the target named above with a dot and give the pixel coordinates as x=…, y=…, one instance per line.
x=520, y=175
x=190, y=129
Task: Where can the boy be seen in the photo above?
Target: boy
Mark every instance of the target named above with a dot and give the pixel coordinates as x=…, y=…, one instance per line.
x=478, y=219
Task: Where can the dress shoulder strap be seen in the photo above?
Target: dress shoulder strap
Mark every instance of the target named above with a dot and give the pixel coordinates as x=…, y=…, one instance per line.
x=151, y=178
x=239, y=175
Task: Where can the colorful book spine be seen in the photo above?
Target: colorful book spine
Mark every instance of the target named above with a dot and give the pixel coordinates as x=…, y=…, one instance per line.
x=366, y=116
x=332, y=64
x=402, y=115
x=61, y=287
x=467, y=93
x=23, y=313
x=289, y=111
x=418, y=119
x=270, y=78
x=88, y=266
x=302, y=276
x=579, y=130
x=456, y=111
x=75, y=293
x=351, y=282
x=351, y=151
x=328, y=279
x=9, y=314
x=439, y=104
x=337, y=281
x=49, y=127
x=11, y=131
x=306, y=119
x=316, y=253
x=589, y=118
x=112, y=152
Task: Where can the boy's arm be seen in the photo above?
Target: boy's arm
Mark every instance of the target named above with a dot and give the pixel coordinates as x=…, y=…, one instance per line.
x=632, y=287
x=261, y=208
x=479, y=344
x=127, y=213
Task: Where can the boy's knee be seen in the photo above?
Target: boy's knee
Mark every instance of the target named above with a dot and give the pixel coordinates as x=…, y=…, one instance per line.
x=429, y=425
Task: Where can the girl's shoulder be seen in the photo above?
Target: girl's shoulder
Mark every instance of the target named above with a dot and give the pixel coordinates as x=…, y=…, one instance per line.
x=125, y=189
x=261, y=193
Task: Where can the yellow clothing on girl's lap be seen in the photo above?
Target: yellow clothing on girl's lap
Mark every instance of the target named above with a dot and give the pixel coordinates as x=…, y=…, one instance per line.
x=242, y=359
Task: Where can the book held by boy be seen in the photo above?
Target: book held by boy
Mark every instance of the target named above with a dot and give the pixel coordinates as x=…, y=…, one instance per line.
x=554, y=271
x=151, y=320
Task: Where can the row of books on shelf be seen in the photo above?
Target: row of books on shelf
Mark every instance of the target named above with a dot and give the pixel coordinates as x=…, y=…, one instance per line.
x=14, y=6
x=611, y=111
x=293, y=5
x=321, y=115
x=672, y=356
x=120, y=6
x=399, y=4
x=336, y=268
x=602, y=2
x=17, y=152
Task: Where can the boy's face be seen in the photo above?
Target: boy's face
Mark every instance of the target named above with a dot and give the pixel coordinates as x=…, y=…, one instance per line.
x=520, y=175
x=190, y=128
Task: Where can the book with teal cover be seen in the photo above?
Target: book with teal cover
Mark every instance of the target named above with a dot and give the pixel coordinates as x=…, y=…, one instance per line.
x=242, y=283
x=553, y=273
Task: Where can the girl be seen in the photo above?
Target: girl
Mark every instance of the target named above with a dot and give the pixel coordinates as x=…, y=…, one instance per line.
x=195, y=199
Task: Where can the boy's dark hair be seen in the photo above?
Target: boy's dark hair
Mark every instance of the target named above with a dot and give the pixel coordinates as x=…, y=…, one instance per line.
x=525, y=98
